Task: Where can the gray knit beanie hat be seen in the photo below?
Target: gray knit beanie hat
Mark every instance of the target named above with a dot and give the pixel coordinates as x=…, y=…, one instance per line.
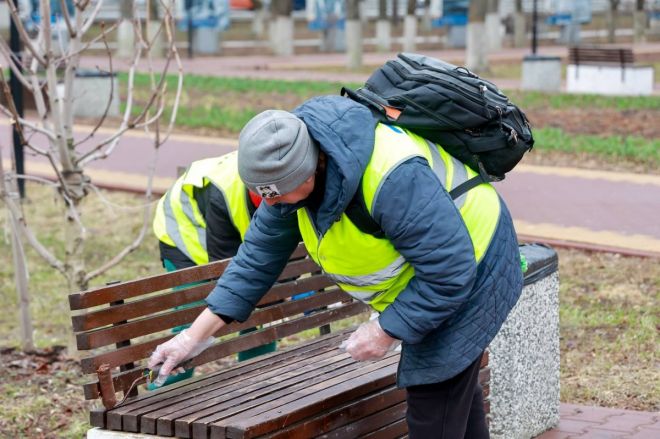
x=275, y=153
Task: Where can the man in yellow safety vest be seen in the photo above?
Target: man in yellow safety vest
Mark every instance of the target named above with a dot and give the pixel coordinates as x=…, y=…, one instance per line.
x=443, y=274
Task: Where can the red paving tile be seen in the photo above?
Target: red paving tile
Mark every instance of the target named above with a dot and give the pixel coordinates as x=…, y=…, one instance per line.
x=583, y=422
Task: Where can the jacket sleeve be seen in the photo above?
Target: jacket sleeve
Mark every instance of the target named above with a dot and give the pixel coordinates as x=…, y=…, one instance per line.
x=268, y=244
x=420, y=219
x=222, y=237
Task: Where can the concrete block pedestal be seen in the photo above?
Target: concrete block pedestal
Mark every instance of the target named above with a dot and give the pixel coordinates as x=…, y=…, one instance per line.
x=541, y=73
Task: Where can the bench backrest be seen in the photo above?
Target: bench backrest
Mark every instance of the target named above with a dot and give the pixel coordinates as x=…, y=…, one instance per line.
x=120, y=325
x=594, y=55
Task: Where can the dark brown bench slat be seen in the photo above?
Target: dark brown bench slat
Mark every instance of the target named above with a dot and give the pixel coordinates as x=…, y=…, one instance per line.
x=601, y=55
x=247, y=392
x=342, y=415
x=313, y=399
x=127, y=290
x=127, y=415
x=391, y=431
x=138, y=351
x=266, y=335
x=373, y=423
x=150, y=325
x=139, y=308
x=150, y=305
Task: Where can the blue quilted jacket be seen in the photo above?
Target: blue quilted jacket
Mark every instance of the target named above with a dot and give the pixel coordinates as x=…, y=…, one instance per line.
x=450, y=310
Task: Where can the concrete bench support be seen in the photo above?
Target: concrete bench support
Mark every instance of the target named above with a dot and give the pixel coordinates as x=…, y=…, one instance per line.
x=610, y=80
x=524, y=360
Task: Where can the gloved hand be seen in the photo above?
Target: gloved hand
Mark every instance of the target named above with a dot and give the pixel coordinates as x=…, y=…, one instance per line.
x=174, y=351
x=368, y=342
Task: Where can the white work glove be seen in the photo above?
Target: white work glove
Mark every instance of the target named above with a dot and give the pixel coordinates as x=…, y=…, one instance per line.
x=368, y=342
x=173, y=352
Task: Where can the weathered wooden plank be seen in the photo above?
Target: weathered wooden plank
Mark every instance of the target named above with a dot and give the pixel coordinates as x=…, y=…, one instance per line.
x=161, y=322
x=129, y=414
x=147, y=285
x=306, y=402
x=126, y=290
x=243, y=392
x=391, y=431
x=260, y=337
x=338, y=417
x=140, y=308
x=372, y=423
x=167, y=300
x=123, y=380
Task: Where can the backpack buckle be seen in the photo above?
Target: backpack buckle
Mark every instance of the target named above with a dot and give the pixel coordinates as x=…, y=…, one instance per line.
x=512, y=140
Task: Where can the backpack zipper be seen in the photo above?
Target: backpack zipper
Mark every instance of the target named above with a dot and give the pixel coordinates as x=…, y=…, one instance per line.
x=465, y=93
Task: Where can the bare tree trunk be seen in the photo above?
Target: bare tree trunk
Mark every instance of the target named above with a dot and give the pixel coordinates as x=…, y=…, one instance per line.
x=519, y=25
x=611, y=19
x=493, y=25
x=282, y=26
x=258, y=21
x=426, y=19
x=639, y=22
x=395, y=13
x=353, y=35
x=410, y=27
x=383, y=28
x=477, y=46
x=125, y=31
x=154, y=34
x=10, y=195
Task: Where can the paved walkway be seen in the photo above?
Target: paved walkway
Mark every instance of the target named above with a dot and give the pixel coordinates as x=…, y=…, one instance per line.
x=602, y=423
x=600, y=209
x=306, y=67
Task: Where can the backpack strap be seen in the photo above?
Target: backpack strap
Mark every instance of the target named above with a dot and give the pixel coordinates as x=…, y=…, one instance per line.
x=475, y=181
x=359, y=215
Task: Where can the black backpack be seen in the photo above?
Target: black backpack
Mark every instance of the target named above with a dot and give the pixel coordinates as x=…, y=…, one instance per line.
x=467, y=115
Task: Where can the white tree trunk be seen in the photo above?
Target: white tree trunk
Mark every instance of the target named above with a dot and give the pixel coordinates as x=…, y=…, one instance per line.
x=383, y=35
x=21, y=277
x=493, y=31
x=639, y=26
x=409, y=33
x=125, y=40
x=157, y=43
x=283, y=36
x=354, y=44
x=259, y=22
x=477, y=47
x=519, y=30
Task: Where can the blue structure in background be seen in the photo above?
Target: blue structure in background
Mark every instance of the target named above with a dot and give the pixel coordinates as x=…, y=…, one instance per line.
x=454, y=13
x=326, y=14
x=211, y=14
x=569, y=12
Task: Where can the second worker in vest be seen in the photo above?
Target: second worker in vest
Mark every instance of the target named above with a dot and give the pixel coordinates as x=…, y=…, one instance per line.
x=203, y=218
x=442, y=273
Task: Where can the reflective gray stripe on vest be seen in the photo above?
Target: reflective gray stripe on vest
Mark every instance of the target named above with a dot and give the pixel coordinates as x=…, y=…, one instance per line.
x=364, y=296
x=370, y=279
x=172, y=226
x=460, y=173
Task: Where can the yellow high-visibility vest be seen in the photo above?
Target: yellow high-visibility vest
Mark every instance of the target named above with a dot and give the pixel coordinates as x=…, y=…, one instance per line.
x=179, y=222
x=369, y=268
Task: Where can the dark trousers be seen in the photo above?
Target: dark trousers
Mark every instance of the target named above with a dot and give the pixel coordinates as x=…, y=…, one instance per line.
x=451, y=409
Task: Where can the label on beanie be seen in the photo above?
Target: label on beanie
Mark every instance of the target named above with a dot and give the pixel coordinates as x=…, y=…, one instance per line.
x=268, y=191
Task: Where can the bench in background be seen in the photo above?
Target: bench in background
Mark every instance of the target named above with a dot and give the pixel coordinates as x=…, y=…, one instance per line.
x=607, y=70
x=308, y=389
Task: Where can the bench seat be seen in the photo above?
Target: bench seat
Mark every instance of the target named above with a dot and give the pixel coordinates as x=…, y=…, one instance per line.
x=308, y=390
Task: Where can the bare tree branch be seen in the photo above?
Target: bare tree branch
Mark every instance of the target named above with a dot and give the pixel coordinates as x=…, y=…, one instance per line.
x=23, y=33
x=91, y=18
x=67, y=19
x=12, y=62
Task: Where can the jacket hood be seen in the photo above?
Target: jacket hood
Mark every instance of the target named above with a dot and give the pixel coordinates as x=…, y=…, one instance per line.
x=344, y=131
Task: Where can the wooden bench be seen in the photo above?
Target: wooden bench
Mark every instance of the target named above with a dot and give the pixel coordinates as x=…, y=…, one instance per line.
x=607, y=70
x=306, y=389
x=594, y=55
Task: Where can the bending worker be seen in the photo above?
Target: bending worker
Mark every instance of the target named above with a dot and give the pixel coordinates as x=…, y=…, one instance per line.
x=443, y=274
x=202, y=218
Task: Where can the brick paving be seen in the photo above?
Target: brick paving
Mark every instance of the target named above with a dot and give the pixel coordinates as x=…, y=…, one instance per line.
x=603, y=423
